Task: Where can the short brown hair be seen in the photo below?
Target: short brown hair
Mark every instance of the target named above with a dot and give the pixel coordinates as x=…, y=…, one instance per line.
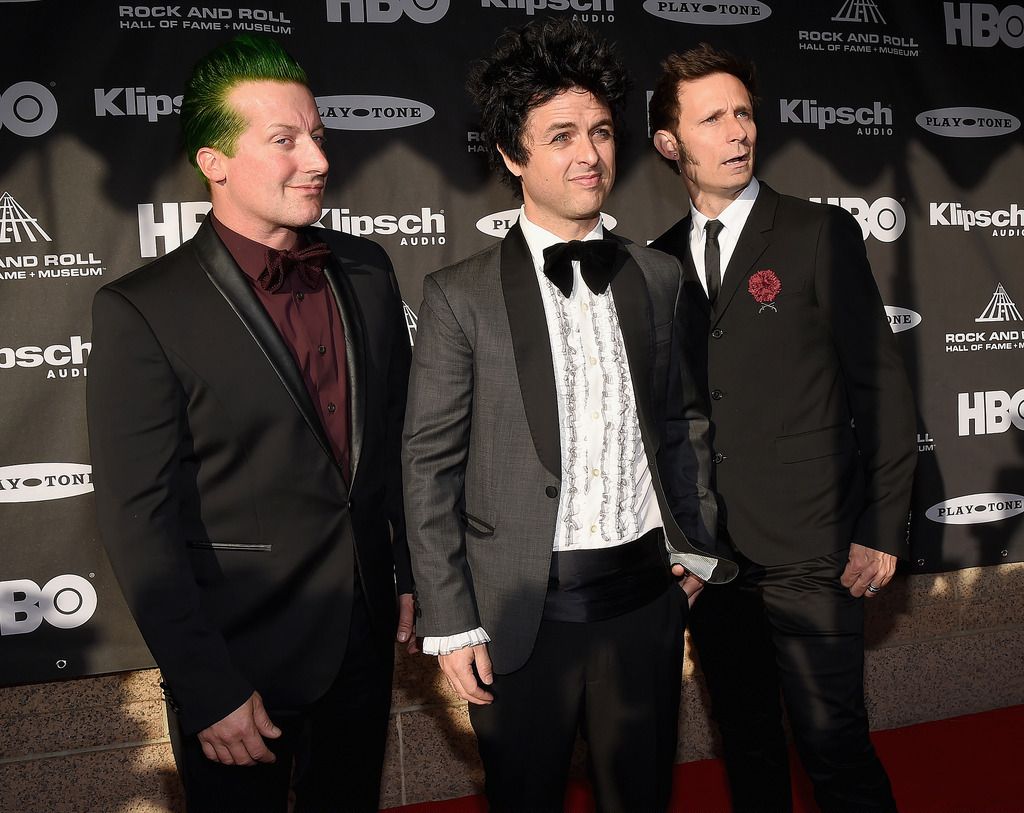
x=696, y=63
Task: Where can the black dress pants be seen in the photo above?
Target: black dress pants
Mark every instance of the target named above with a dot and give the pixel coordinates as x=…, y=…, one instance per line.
x=792, y=628
x=331, y=752
x=618, y=681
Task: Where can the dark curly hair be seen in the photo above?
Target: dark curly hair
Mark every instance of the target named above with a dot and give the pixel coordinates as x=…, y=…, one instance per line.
x=696, y=63
x=530, y=66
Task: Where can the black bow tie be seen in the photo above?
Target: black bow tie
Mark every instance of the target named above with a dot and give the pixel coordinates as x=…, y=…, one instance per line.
x=308, y=263
x=596, y=258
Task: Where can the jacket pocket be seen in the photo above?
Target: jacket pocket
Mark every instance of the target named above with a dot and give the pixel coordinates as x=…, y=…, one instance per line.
x=832, y=440
x=241, y=547
x=475, y=525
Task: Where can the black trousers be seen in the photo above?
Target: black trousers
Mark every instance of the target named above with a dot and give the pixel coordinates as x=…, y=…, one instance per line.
x=792, y=628
x=617, y=681
x=330, y=753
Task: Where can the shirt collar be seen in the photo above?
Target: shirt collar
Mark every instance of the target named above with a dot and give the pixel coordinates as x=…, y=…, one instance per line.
x=250, y=255
x=538, y=239
x=732, y=216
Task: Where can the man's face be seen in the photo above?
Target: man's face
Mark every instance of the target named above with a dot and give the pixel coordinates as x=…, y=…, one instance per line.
x=715, y=137
x=275, y=181
x=571, y=166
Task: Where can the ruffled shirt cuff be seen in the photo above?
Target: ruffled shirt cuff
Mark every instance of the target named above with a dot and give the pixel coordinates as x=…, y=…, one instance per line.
x=446, y=644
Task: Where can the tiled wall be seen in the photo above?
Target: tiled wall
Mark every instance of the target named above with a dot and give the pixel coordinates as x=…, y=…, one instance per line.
x=939, y=646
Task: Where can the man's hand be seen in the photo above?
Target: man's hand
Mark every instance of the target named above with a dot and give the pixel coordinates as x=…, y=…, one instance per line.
x=407, y=623
x=688, y=583
x=238, y=738
x=868, y=568
x=458, y=668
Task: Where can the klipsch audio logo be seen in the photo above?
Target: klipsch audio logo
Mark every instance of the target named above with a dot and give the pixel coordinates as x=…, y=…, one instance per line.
x=975, y=509
x=873, y=120
x=709, y=13
x=27, y=109
x=498, y=223
x=983, y=25
x=36, y=482
x=884, y=219
x=64, y=602
x=866, y=15
x=134, y=102
x=901, y=319
x=1003, y=222
x=386, y=11
x=989, y=413
x=967, y=122
x=591, y=11
x=371, y=112
x=425, y=228
x=203, y=18
x=61, y=360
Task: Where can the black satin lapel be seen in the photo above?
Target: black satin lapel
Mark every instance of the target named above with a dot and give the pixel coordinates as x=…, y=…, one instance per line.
x=752, y=243
x=224, y=273
x=633, y=307
x=355, y=358
x=532, y=348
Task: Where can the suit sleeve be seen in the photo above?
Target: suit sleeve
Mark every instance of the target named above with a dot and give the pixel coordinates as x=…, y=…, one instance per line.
x=437, y=428
x=137, y=433
x=877, y=388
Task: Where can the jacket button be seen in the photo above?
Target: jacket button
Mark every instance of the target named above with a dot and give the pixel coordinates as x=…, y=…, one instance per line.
x=719, y=457
x=717, y=333
x=717, y=395
x=551, y=491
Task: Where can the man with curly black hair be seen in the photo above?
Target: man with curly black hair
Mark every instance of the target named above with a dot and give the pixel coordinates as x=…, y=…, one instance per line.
x=545, y=397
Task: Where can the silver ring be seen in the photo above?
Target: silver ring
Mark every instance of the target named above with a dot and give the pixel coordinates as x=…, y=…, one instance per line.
x=873, y=589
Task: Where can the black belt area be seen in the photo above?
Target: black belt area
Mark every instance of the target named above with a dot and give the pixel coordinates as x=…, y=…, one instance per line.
x=601, y=583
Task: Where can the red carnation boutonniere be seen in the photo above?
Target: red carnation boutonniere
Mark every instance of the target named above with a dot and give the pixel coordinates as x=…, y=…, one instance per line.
x=764, y=286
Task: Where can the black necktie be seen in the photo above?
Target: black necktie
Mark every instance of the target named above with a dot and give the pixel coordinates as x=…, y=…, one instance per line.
x=596, y=259
x=712, y=259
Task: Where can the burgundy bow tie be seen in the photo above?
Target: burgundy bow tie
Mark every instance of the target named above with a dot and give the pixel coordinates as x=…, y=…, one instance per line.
x=308, y=263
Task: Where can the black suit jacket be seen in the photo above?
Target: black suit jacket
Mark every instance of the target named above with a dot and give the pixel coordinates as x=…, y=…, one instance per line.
x=227, y=520
x=812, y=413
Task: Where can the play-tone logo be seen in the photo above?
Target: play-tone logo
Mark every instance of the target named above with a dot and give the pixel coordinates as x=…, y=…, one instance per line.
x=16, y=224
x=884, y=219
x=967, y=122
x=989, y=413
x=975, y=509
x=35, y=482
x=983, y=25
x=27, y=109
x=498, y=223
x=386, y=11
x=901, y=319
x=371, y=112
x=751, y=11
x=64, y=602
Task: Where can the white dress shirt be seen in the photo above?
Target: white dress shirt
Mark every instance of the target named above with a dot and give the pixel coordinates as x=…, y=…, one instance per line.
x=732, y=218
x=607, y=496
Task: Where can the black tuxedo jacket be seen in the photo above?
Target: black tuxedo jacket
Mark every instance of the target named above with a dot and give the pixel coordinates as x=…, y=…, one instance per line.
x=813, y=417
x=227, y=520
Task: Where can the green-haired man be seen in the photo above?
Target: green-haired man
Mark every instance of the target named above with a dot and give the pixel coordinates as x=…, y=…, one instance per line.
x=246, y=396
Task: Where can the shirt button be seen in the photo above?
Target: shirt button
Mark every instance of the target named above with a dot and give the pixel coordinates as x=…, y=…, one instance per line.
x=595, y=415
x=593, y=529
x=321, y=350
x=717, y=395
x=584, y=307
x=551, y=491
x=596, y=472
x=300, y=296
x=331, y=407
x=717, y=333
x=592, y=360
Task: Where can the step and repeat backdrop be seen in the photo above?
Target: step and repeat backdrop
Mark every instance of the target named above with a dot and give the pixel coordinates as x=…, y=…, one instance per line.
x=907, y=114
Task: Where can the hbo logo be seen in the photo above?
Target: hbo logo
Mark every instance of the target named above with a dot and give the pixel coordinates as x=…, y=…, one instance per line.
x=27, y=109
x=884, y=219
x=982, y=25
x=385, y=11
x=64, y=601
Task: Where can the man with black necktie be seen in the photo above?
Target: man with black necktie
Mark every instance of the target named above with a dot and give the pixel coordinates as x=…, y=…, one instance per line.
x=246, y=396
x=813, y=439
x=545, y=398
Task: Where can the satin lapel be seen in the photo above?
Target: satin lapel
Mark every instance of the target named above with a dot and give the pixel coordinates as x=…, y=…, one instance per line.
x=532, y=348
x=633, y=307
x=752, y=243
x=224, y=273
x=355, y=358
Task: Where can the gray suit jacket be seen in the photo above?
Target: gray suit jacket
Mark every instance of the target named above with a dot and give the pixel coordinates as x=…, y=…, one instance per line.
x=481, y=452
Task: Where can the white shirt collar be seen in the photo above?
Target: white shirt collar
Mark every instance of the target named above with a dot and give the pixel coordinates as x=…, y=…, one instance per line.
x=538, y=239
x=733, y=216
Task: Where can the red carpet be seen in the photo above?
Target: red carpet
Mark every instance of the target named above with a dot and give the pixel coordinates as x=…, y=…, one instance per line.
x=972, y=764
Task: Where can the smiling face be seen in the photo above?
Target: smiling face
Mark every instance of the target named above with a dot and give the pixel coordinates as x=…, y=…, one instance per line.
x=571, y=165
x=274, y=183
x=713, y=145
